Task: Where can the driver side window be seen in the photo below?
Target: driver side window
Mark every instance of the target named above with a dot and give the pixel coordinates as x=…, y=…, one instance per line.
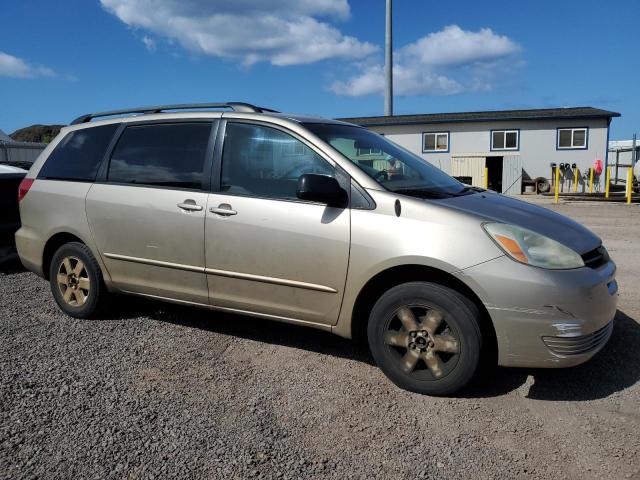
x=266, y=162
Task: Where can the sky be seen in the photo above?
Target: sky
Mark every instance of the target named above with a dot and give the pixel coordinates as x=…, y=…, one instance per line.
x=61, y=59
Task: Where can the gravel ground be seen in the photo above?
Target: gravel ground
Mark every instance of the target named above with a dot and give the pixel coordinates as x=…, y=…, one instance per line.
x=165, y=391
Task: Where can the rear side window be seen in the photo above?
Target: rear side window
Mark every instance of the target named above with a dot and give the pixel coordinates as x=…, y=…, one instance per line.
x=168, y=155
x=77, y=157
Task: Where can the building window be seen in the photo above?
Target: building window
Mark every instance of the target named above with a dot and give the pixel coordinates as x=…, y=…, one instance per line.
x=435, y=142
x=369, y=151
x=572, y=138
x=505, y=139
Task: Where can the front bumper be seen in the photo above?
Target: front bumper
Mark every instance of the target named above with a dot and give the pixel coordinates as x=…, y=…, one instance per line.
x=546, y=318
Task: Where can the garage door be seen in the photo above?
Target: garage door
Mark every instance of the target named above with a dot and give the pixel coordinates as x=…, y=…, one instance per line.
x=469, y=167
x=511, y=175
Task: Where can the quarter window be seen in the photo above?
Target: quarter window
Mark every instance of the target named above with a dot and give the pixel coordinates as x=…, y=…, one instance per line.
x=168, y=155
x=505, y=140
x=266, y=162
x=572, y=138
x=435, y=142
x=77, y=157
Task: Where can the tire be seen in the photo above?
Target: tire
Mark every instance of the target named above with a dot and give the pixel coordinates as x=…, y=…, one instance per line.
x=542, y=185
x=76, y=281
x=425, y=338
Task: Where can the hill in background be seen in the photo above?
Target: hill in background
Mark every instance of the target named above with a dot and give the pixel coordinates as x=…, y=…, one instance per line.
x=36, y=133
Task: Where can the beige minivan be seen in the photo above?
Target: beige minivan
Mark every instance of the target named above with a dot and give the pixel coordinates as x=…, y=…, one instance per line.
x=313, y=222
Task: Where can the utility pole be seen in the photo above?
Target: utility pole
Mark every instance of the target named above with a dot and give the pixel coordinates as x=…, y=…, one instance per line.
x=388, y=66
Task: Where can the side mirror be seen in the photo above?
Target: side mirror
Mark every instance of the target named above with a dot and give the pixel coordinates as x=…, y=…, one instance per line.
x=321, y=188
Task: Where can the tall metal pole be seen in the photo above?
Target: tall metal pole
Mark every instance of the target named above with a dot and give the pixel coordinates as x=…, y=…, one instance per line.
x=388, y=66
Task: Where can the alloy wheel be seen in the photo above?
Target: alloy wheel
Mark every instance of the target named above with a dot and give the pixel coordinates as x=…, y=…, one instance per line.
x=423, y=343
x=73, y=281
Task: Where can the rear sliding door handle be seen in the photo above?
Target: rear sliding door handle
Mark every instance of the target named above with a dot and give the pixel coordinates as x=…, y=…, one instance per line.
x=223, y=209
x=190, y=206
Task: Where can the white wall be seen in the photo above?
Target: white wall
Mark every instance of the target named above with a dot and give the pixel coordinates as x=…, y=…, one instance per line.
x=537, y=142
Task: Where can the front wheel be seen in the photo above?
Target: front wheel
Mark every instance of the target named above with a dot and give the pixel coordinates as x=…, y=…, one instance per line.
x=425, y=337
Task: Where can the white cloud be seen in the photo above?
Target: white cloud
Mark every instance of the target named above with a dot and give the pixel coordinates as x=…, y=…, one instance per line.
x=447, y=62
x=149, y=42
x=11, y=66
x=285, y=32
x=454, y=46
x=406, y=81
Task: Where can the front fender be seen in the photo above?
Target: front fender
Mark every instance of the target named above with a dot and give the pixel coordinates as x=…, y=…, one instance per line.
x=419, y=233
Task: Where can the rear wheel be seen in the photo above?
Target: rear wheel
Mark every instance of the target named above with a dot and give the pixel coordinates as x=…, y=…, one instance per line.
x=76, y=281
x=425, y=337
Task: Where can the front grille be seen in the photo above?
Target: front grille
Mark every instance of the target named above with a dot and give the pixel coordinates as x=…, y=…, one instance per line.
x=596, y=257
x=568, y=346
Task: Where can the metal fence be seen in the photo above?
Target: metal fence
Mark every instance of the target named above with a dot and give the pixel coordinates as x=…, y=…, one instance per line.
x=20, y=153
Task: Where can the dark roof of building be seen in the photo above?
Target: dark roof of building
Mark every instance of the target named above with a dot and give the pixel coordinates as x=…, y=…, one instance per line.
x=490, y=116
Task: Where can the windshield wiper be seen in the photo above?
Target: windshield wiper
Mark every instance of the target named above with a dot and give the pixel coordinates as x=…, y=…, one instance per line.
x=468, y=188
x=421, y=192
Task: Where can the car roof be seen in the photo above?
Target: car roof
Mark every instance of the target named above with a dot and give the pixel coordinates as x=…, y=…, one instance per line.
x=278, y=117
x=191, y=110
x=306, y=118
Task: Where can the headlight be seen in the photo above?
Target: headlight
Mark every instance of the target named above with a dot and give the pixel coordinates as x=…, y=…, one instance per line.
x=531, y=248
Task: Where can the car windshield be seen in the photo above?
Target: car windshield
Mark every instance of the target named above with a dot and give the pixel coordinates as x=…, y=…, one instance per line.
x=393, y=167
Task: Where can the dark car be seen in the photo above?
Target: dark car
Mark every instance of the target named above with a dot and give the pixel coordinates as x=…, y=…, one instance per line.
x=10, y=178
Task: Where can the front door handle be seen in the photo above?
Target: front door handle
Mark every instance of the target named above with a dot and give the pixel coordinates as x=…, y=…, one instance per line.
x=223, y=209
x=190, y=206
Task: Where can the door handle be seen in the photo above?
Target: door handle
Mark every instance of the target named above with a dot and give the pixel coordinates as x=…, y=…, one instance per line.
x=190, y=206
x=223, y=209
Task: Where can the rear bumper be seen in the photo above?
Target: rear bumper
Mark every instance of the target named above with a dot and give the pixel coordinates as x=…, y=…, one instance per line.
x=546, y=318
x=30, y=248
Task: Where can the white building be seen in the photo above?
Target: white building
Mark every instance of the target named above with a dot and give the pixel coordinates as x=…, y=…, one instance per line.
x=513, y=145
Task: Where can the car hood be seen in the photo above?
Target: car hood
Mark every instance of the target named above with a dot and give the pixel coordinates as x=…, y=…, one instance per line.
x=499, y=208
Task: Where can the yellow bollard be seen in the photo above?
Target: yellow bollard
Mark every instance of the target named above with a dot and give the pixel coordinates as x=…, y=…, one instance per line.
x=575, y=179
x=557, y=183
x=591, y=180
x=629, y=184
x=607, y=180
x=486, y=179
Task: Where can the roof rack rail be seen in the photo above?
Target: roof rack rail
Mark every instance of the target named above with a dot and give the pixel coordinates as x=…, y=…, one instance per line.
x=235, y=106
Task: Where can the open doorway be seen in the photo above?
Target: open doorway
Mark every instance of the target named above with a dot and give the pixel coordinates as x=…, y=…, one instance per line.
x=494, y=166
